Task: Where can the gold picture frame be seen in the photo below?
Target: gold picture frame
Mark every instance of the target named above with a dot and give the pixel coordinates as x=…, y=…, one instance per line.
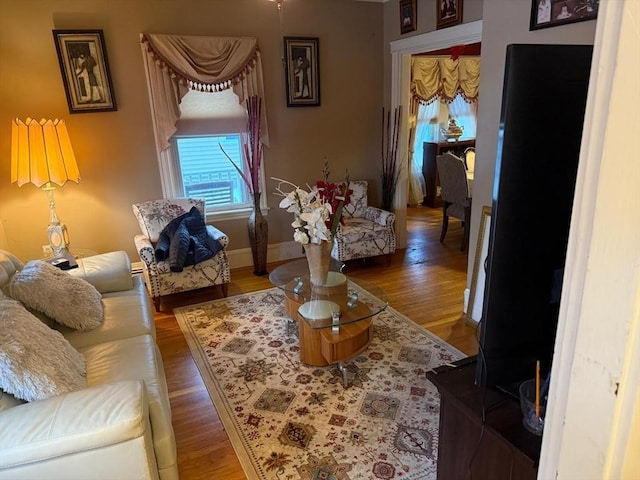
x=85, y=70
x=478, y=275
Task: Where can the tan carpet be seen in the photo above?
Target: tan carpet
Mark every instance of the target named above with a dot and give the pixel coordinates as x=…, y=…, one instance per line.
x=287, y=420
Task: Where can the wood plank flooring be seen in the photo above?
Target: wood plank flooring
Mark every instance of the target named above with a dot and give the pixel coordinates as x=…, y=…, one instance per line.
x=425, y=282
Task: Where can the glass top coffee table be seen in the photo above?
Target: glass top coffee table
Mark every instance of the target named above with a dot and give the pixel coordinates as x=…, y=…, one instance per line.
x=335, y=320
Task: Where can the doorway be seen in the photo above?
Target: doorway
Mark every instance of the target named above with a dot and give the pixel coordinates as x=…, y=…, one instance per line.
x=401, y=52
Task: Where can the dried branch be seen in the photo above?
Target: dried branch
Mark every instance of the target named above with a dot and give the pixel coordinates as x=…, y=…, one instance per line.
x=390, y=171
x=251, y=146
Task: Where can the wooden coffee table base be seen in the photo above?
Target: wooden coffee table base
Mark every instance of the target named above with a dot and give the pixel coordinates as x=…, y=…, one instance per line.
x=352, y=339
x=321, y=347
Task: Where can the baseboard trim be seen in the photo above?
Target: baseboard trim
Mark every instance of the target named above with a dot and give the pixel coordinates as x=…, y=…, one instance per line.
x=467, y=292
x=275, y=252
x=136, y=268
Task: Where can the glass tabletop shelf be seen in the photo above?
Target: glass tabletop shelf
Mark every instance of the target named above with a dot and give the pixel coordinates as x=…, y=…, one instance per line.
x=341, y=301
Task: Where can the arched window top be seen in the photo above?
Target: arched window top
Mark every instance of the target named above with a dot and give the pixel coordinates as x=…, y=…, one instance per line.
x=177, y=63
x=204, y=63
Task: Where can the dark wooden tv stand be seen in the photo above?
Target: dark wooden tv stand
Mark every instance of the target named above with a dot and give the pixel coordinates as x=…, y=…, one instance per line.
x=469, y=448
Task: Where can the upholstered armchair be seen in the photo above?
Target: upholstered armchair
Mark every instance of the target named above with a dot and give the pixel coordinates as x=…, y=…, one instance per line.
x=161, y=277
x=367, y=231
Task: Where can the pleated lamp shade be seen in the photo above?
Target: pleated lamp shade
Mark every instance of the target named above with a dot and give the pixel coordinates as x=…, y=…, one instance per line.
x=41, y=153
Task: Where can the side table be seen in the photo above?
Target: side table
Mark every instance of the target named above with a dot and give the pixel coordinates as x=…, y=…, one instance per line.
x=71, y=257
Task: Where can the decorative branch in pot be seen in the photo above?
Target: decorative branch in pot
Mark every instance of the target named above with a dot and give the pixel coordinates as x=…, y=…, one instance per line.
x=389, y=152
x=252, y=156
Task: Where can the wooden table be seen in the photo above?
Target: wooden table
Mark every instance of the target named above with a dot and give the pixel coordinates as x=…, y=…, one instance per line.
x=325, y=339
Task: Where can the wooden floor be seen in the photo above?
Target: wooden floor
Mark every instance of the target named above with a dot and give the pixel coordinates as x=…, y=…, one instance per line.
x=425, y=282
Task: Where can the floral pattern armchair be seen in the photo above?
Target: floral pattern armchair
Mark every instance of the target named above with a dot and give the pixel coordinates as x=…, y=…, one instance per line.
x=152, y=217
x=367, y=231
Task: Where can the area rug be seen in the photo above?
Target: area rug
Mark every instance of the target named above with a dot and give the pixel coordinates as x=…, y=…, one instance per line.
x=288, y=420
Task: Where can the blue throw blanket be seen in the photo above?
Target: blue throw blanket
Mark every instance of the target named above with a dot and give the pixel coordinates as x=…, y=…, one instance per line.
x=185, y=241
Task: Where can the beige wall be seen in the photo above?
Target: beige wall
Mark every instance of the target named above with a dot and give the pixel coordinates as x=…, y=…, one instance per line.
x=115, y=151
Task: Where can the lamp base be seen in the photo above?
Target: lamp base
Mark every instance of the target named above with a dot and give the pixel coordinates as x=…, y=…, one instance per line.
x=58, y=239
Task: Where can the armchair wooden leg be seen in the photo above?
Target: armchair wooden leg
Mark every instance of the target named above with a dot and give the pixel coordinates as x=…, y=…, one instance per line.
x=388, y=259
x=225, y=289
x=156, y=303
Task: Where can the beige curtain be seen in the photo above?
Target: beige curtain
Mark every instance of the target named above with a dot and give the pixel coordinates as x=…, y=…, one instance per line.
x=444, y=78
x=176, y=63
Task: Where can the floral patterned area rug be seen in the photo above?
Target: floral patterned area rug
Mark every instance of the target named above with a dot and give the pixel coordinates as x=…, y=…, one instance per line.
x=288, y=420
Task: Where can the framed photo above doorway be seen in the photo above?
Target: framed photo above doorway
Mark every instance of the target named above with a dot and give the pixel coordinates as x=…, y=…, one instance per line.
x=85, y=70
x=302, y=69
x=448, y=14
x=408, y=13
x=552, y=13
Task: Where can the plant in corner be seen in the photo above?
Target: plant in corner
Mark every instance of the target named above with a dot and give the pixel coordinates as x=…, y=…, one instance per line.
x=389, y=153
x=252, y=156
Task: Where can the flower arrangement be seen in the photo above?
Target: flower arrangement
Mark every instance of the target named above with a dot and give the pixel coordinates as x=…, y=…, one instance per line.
x=318, y=210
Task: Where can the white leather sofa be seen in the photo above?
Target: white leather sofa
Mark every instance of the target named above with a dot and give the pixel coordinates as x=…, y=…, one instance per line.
x=119, y=426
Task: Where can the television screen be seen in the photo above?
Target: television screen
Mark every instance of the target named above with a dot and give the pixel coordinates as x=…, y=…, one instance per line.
x=543, y=105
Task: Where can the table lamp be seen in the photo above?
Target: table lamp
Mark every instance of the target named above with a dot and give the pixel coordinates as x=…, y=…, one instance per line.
x=41, y=154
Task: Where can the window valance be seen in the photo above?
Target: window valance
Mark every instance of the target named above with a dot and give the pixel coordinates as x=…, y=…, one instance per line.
x=177, y=63
x=444, y=78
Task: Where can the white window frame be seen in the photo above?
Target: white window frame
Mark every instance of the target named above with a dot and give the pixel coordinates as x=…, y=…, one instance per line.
x=171, y=178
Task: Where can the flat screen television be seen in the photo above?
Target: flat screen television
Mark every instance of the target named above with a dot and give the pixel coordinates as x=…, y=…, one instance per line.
x=542, y=114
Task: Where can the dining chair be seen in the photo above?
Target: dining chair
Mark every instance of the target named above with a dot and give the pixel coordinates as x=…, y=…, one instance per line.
x=455, y=194
x=470, y=158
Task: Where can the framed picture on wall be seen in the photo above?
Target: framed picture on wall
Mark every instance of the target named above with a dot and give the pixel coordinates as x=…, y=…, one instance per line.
x=85, y=70
x=408, y=22
x=449, y=13
x=552, y=13
x=302, y=69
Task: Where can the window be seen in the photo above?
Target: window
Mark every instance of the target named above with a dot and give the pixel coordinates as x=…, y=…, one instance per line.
x=194, y=88
x=465, y=114
x=207, y=173
x=197, y=167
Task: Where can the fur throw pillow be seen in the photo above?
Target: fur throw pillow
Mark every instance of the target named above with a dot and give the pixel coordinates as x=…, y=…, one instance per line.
x=71, y=301
x=36, y=362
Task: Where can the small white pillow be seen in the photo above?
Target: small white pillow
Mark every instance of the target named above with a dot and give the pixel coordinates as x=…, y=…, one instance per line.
x=36, y=362
x=71, y=301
